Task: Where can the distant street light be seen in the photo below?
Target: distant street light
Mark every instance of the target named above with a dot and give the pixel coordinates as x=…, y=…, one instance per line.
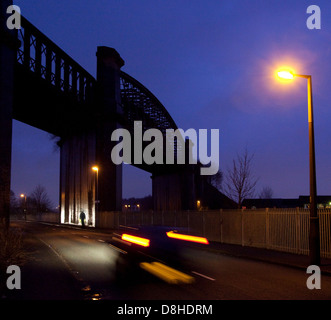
x=314, y=238
x=24, y=209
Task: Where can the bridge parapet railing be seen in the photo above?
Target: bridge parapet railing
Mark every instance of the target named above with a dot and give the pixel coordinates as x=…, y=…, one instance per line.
x=40, y=55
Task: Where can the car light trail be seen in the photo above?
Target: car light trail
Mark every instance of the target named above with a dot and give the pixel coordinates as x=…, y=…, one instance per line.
x=137, y=240
x=166, y=273
x=185, y=237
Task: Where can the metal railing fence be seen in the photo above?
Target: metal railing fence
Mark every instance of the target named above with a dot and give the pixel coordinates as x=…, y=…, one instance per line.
x=278, y=229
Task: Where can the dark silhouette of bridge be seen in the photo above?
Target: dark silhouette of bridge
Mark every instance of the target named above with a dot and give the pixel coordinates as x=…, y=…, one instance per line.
x=42, y=86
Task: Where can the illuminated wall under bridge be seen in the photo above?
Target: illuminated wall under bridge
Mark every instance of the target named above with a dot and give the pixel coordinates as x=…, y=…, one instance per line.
x=78, y=181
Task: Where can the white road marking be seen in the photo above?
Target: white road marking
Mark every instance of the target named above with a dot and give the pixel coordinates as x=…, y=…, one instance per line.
x=203, y=276
x=117, y=249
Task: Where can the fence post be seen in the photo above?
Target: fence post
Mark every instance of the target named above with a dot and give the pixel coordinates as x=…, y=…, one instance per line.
x=175, y=219
x=203, y=223
x=188, y=221
x=297, y=231
x=267, y=239
x=221, y=225
x=242, y=228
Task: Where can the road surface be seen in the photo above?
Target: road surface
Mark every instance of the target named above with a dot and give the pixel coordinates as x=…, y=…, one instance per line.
x=72, y=263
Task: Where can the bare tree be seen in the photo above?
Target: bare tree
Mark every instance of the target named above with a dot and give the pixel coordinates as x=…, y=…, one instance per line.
x=40, y=200
x=266, y=193
x=240, y=183
x=13, y=201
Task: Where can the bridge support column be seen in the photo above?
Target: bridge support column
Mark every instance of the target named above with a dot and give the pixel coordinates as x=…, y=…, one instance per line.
x=174, y=187
x=89, y=145
x=77, y=180
x=109, y=106
x=174, y=191
x=8, y=47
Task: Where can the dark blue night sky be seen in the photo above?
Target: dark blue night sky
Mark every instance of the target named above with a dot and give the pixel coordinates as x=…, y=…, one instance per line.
x=212, y=65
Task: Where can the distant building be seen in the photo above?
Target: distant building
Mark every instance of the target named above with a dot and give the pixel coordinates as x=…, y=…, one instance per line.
x=323, y=202
x=137, y=204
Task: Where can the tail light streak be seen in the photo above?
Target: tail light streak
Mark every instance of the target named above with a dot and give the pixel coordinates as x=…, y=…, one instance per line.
x=171, y=234
x=185, y=237
x=137, y=240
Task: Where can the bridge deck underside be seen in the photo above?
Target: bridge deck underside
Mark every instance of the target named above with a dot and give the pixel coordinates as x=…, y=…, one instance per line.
x=41, y=105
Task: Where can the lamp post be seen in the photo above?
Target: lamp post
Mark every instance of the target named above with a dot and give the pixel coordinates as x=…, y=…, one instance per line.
x=24, y=209
x=314, y=238
x=96, y=170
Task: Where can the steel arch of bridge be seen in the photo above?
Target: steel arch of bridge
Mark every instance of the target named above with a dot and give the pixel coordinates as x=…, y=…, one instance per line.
x=139, y=103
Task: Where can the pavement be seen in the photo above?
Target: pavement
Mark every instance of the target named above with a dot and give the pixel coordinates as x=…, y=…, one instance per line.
x=269, y=256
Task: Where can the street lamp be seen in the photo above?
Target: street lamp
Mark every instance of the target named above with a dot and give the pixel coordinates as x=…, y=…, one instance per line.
x=284, y=74
x=314, y=238
x=24, y=196
x=96, y=170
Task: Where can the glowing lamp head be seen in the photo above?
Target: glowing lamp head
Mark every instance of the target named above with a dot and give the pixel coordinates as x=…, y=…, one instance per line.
x=284, y=74
x=95, y=168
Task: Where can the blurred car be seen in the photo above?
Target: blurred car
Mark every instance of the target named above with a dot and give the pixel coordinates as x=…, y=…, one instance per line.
x=156, y=249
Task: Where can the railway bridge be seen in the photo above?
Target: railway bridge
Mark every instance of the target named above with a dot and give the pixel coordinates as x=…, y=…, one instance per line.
x=44, y=87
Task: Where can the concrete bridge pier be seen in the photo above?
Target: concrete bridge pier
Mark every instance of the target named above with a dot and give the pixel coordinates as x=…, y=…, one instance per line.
x=109, y=116
x=90, y=145
x=77, y=180
x=8, y=47
x=174, y=187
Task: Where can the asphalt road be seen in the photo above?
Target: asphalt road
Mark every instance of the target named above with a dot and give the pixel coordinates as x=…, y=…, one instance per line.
x=70, y=263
